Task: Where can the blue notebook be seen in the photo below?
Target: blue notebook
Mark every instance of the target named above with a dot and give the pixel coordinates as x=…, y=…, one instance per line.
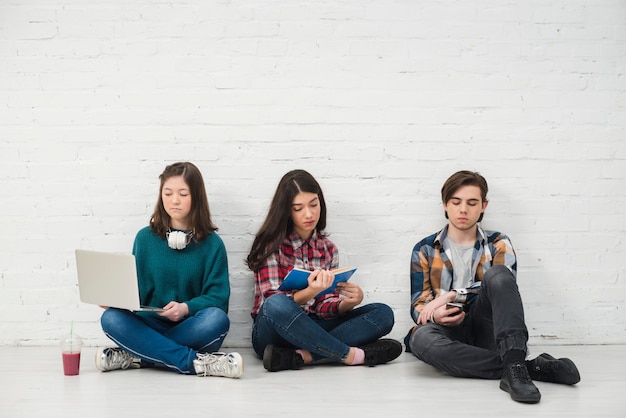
x=297, y=279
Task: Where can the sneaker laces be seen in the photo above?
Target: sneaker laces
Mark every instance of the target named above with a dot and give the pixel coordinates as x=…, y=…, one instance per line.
x=216, y=364
x=520, y=372
x=118, y=358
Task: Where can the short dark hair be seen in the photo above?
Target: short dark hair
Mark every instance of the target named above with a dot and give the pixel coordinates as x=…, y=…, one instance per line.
x=464, y=178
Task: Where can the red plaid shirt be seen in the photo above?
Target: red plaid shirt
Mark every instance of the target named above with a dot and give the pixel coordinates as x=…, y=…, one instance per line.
x=316, y=253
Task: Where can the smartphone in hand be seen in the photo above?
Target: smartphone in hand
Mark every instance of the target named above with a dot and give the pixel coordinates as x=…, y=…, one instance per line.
x=460, y=306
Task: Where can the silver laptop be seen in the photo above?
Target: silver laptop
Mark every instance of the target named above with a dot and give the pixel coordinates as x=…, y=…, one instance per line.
x=109, y=279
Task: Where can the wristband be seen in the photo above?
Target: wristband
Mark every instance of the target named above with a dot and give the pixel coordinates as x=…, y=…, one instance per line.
x=461, y=295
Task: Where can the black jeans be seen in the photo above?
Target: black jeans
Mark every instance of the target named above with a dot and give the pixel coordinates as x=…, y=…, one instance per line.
x=493, y=325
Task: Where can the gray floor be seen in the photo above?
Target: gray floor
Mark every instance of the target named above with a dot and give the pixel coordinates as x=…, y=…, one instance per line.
x=33, y=385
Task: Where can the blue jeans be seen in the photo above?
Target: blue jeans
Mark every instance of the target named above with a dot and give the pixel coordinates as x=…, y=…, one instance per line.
x=159, y=341
x=282, y=322
x=493, y=325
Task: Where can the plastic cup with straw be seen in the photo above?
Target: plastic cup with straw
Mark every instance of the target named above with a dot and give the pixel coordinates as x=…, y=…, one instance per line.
x=71, y=346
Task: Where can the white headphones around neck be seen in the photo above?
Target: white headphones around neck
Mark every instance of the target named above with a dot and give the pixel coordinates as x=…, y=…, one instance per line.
x=178, y=240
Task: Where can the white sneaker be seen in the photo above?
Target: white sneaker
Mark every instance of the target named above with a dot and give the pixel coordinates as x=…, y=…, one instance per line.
x=114, y=358
x=219, y=364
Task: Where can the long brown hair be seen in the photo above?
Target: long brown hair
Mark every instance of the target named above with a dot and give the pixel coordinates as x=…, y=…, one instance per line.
x=200, y=215
x=278, y=223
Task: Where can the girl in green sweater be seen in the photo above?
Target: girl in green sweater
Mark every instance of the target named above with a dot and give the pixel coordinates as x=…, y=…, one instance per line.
x=181, y=267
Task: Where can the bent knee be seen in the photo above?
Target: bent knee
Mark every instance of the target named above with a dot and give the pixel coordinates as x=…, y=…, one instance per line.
x=500, y=272
x=423, y=338
x=499, y=277
x=386, y=317
x=114, y=320
x=110, y=317
x=216, y=317
x=277, y=303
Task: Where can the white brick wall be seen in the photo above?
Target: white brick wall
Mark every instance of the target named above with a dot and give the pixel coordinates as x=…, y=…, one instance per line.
x=380, y=100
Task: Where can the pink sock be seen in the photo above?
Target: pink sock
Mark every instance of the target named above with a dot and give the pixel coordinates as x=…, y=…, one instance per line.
x=359, y=357
x=300, y=352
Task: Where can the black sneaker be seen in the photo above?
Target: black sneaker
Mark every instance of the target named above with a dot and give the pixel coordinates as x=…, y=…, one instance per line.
x=546, y=368
x=381, y=351
x=517, y=381
x=280, y=358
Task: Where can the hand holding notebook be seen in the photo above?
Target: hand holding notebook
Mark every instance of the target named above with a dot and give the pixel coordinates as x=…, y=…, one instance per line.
x=297, y=279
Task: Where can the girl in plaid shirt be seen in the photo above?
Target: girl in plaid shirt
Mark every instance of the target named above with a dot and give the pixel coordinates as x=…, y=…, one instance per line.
x=298, y=327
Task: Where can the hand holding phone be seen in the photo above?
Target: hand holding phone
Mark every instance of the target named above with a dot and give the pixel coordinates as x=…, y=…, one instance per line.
x=454, y=305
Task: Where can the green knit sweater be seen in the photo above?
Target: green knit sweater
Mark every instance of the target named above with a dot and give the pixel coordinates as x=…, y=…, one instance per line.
x=196, y=275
